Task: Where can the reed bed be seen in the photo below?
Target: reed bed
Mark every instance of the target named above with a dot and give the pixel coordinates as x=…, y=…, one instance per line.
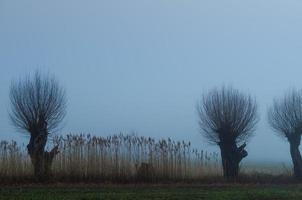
x=117, y=158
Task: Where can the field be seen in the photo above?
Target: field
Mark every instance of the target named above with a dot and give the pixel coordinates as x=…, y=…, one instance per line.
x=133, y=167
x=159, y=192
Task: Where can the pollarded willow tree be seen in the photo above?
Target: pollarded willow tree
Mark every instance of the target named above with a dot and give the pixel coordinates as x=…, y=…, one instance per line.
x=285, y=118
x=38, y=105
x=227, y=118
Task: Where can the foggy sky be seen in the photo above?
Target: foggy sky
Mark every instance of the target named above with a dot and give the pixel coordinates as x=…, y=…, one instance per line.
x=141, y=65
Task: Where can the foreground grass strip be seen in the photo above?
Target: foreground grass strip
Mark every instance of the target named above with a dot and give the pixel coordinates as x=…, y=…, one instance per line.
x=156, y=193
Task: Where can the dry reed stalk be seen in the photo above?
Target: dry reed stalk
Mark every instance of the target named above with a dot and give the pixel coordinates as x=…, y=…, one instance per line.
x=114, y=158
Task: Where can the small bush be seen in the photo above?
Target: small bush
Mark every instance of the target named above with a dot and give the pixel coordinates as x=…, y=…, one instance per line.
x=145, y=173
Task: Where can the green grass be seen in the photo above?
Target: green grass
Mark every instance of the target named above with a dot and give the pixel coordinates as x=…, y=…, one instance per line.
x=246, y=192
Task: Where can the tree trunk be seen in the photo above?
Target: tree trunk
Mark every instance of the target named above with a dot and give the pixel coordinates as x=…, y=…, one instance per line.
x=41, y=159
x=294, y=142
x=231, y=156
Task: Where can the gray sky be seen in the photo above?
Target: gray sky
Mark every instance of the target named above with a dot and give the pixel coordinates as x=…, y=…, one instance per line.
x=141, y=65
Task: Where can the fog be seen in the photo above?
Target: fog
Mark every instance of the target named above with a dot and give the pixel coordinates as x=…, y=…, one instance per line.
x=141, y=66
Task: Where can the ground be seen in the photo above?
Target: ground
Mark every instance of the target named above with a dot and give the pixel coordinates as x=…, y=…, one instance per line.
x=158, y=192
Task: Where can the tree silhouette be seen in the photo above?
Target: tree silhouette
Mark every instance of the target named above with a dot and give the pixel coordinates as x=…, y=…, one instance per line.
x=227, y=118
x=38, y=105
x=285, y=118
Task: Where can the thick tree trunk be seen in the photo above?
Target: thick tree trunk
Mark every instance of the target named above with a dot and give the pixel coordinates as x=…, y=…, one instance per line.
x=42, y=163
x=231, y=156
x=41, y=159
x=294, y=142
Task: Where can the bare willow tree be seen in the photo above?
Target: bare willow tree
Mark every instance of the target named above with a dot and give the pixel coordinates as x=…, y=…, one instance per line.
x=227, y=118
x=38, y=105
x=285, y=117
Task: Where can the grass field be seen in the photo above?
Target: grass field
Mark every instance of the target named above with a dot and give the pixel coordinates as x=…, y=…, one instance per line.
x=209, y=192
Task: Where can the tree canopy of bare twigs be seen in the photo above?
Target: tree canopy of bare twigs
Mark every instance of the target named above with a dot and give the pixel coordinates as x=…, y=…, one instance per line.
x=285, y=116
x=227, y=114
x=35, y=98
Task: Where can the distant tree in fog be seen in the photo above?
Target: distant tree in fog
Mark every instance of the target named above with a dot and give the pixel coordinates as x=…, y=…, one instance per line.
x=38, y=105
x=227, y=118
x=285, y=118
